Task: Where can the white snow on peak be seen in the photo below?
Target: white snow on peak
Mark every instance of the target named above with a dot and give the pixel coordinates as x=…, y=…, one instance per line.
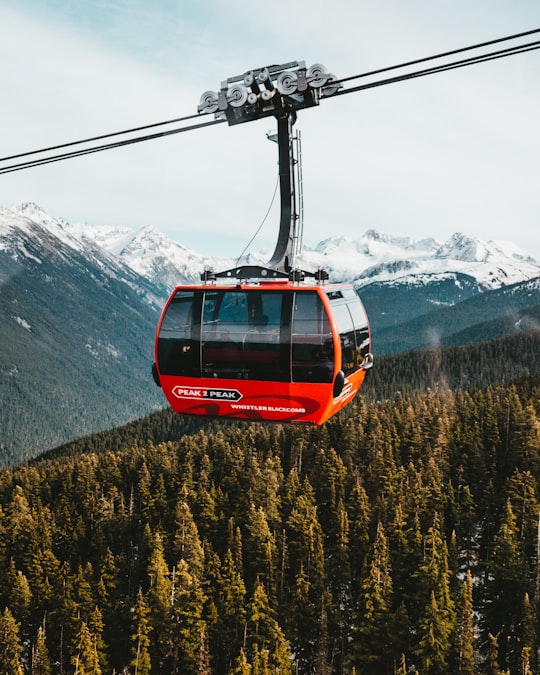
x=60, y=228
x=382, y=258
x=468, y=249
x=371, y=257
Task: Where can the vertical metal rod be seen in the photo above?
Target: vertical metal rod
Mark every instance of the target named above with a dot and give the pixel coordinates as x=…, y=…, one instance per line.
x=282, y=257
x=298, y=227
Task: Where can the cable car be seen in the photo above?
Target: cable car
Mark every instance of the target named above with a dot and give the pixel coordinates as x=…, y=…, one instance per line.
x=271, y=351
x=262, y=343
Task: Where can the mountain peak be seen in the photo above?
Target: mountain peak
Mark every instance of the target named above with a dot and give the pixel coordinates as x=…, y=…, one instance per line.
x=375, y=235
x=373, y=257
x=29, y=209
x=462, y=247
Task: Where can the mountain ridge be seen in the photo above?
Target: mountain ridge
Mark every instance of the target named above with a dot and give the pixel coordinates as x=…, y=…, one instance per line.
x=373, y=257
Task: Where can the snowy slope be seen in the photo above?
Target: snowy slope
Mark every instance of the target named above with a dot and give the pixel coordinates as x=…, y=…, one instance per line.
x=376, y=257
x=373, y=257
x=26, y=227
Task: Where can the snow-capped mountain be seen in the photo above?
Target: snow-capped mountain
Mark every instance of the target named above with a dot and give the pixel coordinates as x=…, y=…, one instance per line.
x=372, y=258
x=27, y=223
x=381, y=258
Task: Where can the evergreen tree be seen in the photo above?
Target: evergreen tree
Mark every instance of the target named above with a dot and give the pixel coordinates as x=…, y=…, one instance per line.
x=64, y=621
x=45, y=579
x=85, y=657
x=81, y=590
x=10, y=645
x=505, y=589
x=492, y=655
x=264, y=635
x=466, y=627
x=323, y=664
x=359, y=523
x=20, y=596
x=228, y=628
x=188, y=606
x=433, y=645
x=140, y=637
x=111, y=602
x=187, y=545
x=41, y=664
x=160, y=604
x=96, y=626
x=20, y=527
x=305, y=539
x=374, y=620
x=437, y=622
x=260, y=550
x=526, y=632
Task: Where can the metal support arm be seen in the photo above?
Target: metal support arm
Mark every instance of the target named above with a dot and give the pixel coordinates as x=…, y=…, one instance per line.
x=282, y=258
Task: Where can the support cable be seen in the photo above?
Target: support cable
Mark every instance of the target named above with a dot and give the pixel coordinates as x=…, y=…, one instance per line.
x=438, y=69
x=441, y=55
x=88, y=151
x=481, y=58
x=102, y=137
x=246, y=247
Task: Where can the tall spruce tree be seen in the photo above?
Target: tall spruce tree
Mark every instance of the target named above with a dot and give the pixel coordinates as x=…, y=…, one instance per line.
x=264, y=634
x=85, y=660
x=260, y=551
x=374, y=626
x=186, y=542
x=505, y=587
x=140, y=637
x=466, y=663
x=11, y=648
x=227, y=631
x=189, y=624
x=437, y=623
x=40, y=664
x=160, y=605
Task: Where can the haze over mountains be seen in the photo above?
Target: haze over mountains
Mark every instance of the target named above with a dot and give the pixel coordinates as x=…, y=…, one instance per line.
x=79, y=306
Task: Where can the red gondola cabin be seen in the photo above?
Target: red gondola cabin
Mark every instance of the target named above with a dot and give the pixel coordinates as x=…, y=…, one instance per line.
x=272, y=351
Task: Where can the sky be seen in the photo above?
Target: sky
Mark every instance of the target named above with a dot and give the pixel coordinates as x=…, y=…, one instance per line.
x=453, y=152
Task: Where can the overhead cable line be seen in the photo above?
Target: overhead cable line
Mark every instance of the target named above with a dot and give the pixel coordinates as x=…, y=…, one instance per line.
x=108, y=146
x=101, y=137
x=480, y=58
x=452, y=52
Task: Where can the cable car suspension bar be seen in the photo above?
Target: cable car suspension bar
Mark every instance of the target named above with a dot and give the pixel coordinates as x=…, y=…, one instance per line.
x=277, y=91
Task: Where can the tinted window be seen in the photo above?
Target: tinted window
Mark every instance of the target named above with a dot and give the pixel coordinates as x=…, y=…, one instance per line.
x=178, y=342
x=352, y=322
x=347, y=335
x=243, y=334
x=312, y=343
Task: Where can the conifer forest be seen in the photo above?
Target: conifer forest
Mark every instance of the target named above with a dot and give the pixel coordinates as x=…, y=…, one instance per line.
x=403, y=536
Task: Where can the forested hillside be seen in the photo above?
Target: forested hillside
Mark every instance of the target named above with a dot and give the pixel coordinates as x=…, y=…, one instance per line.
x=401, y=535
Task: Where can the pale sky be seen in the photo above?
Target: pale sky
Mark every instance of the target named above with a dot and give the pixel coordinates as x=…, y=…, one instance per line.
x=451, y=152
